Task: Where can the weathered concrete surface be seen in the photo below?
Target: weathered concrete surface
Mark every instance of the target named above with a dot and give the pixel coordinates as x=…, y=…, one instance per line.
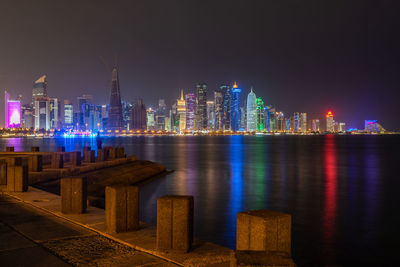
x=175, y=223
x=261, y=258
x=144, y=239
x=264, y=230
x=122, y=208
x=35, y=163
x=33, y=237
x=73, y=195
x=17, y=178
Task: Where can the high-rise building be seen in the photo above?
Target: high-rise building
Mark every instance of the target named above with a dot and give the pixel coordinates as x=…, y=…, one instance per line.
x=342, y=127
x=42, y=113
x=201, y=107
x=227, y=108
x=151, y=124
x=315, y=125
x=160, y=115
x=242, y=121
x=126, y=113
x=39, y=88
x=68, y=113
x=190, y=110
x=260, y=110
x=12, y=112
x=330, y=123
x=296, y=120
x=280, y=121
x=115, y=119
x=210, y=115
x=235, y=107
x=27, y=116
x=54, y=113
x=303, y=122
x=251, y=111
x=219, y=108
x=181, y=110
x=138, y=116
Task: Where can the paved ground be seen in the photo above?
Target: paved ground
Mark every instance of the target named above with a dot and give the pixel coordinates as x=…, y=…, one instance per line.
x=31, y=237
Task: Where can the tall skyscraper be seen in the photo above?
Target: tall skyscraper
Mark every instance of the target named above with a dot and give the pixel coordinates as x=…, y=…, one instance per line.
x=201, y=107
x=151, y=124
x=39, y=88
x=296, y=119
x=315, y=125
x=115, y=110
x=42, y=113
x=181, y=110
x=12, y=112
x=54, y=113
x=27, y=116
x=251, y=111
x=219, y=108
x=190, y=110
x=210, y=115
x=227, y=108
x=260, y=115
x=138, y=116
x=330, y=123
x=303, y=122
x=160, y=115
x=235, y=107
x=68, y=113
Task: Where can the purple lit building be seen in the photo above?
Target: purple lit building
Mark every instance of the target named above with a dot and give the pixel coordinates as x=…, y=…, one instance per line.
x=12, y=112
x=190, y=110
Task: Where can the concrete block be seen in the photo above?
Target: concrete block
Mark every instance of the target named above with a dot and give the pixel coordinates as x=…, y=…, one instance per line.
x=89, y=155
x=9, y=149
x=245, y=258
x=264, y=230
x=120, y=152
x=57, y=160
x=17, y=161
x=35, y=149
x=61, y=149
x=102, y=154
x=122, y=208
x=174, y=223
x=35, y=163
x=73, y=195
x=17, y=178
x=3, y=172
x=75, y=158
x=112, y=154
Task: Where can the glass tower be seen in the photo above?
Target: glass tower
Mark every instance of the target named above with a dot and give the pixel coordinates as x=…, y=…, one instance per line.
x=235, y=108
x=251, y=111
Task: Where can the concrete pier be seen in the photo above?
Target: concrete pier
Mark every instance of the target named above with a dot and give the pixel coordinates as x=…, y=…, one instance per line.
x=73, y=195
x=57, y=160
x=174, y=223
x=9, y=149
x=17, y=178
x=122, y=208
x=75, y=158
x=35, y=163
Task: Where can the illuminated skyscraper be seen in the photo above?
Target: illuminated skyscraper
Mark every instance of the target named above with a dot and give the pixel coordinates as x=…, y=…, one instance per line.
x=39, y=88
x=151, y=124
x=12, y=112
x=251, y=111
x=201, y=107
x=296, y=120
x=260, y=115
x=235, y=107
x=54, y=113
x=68, y=113
x=161, y=113
x=315, y=125
x=190, y=110
x=227, y=108
x=303, y=122
x=219, y=108
x=115, y=120
x=330, y=123
x=181, y=110
x=138, y=116
x=42, y=113
x=210, y=115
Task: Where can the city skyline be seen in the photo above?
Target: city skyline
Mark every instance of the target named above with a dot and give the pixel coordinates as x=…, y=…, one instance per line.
x=166, y=47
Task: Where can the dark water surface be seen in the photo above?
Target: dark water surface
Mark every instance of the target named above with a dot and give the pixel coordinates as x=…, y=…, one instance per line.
x=342, y=191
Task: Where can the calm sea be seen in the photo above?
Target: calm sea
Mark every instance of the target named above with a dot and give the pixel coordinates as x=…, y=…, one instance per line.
x=342, y=191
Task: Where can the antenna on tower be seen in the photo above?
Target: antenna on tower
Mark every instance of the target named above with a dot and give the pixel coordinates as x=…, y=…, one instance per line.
x=115, y=60
x=105, y=63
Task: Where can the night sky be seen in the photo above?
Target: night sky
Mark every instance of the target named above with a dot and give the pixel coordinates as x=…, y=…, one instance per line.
x=306, y=56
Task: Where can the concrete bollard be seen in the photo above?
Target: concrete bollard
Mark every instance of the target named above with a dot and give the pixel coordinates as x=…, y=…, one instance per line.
x=35, y=163
x=73, y=195
x=102, y=154
x=57, y=160
x=122, y=208
x=3, y=172
x=75, y=158
x=17, y=161
x=9, y=149
x=17, y=178
x=120, y=152
x=264, y=230
x=112, y=154
x=35, y=149
x=61, y=149
x=174, y=223
x=88, y=155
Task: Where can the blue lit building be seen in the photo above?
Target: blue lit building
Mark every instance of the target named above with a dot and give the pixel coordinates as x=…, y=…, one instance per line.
x=235, y=107
x=227, y=108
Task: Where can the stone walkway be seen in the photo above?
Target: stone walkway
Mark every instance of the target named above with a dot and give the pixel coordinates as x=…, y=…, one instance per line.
x=32, y=237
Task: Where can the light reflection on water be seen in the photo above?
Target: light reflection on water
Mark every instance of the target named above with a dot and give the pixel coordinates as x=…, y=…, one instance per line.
x=342, y=191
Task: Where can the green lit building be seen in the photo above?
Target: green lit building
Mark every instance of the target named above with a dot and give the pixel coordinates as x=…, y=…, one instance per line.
x=260, y=115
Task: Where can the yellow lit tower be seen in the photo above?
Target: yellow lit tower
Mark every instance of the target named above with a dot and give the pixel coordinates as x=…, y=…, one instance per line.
x=181, y=110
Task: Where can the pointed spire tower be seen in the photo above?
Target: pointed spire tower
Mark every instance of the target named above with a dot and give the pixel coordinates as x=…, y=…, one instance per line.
x=115, y=121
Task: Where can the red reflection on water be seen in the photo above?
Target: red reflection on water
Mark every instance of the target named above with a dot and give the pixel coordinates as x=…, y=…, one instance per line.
x=330, y=169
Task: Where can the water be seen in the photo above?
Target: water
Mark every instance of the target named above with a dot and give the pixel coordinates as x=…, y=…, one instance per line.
x=342, y=191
